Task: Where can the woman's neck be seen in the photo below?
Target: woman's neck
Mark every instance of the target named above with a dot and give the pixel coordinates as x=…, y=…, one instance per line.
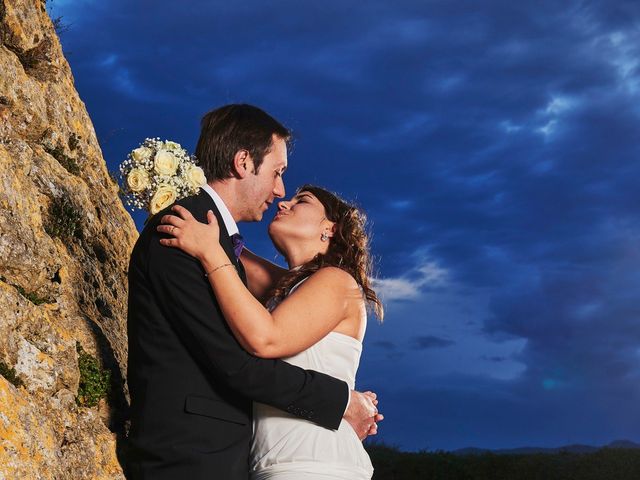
x=299, y=256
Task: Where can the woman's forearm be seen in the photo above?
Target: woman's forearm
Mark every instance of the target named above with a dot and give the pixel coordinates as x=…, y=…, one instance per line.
x=262, y=275
x=251, y=323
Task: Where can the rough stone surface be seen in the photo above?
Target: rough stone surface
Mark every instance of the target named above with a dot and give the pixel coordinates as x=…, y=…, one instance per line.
x=65, y=240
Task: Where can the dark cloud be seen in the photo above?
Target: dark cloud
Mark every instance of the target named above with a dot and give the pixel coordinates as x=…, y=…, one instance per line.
x=494, y=359
x=387, y=345
x=430, y=341
x=496, y=141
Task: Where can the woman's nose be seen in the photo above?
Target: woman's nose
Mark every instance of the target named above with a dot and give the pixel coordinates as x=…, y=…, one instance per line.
x=283, y=205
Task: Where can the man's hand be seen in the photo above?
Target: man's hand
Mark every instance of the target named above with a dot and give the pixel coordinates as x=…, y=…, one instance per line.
x=362, y=413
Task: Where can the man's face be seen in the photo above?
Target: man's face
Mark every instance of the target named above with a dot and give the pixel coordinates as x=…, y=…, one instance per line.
x=263, y=187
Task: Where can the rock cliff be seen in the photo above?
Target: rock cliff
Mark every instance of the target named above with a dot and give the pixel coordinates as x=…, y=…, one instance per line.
x=64, y=245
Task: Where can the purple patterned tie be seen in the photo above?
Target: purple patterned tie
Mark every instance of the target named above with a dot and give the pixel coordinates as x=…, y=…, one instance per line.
x=238, y=244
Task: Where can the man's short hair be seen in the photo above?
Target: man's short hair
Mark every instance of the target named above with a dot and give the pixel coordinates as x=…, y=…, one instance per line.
x=228, y=129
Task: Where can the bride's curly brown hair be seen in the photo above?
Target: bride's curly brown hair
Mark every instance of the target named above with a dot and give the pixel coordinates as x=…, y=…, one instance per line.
x=348, y=248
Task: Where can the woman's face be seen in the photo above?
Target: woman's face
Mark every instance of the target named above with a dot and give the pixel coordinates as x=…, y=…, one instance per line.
x=301, y=219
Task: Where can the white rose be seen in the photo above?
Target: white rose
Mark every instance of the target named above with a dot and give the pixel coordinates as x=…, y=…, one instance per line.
x=141, y=153
x=195, y=177
x=169, y=145
x=138, y=179
x=165, y=163
x=164, y=196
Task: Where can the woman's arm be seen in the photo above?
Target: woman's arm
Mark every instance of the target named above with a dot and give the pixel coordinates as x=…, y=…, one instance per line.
x=312, y=311
x=304, y=317
x=262, y=275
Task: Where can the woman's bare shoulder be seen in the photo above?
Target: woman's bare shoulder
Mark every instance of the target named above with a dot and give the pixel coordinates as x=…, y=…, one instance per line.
x=335, y=276
x=334, y=281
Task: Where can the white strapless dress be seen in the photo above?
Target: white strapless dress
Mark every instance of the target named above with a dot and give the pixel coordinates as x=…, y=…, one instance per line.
x=286, y=447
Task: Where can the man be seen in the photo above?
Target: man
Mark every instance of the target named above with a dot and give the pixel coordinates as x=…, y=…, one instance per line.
x=191, y=383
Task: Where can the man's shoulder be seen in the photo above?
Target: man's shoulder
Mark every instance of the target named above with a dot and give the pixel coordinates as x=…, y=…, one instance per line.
x=198, y=199
x=197, y=204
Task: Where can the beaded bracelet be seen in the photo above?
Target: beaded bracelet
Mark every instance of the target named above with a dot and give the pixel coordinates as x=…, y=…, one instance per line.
x=218, y=268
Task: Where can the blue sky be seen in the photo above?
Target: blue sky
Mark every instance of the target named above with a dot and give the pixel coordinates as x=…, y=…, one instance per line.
x=495, y=148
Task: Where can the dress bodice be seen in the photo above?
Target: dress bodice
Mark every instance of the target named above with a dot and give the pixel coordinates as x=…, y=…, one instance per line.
x=284, y=443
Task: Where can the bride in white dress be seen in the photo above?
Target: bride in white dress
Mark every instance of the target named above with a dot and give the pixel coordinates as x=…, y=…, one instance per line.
x=315, y=318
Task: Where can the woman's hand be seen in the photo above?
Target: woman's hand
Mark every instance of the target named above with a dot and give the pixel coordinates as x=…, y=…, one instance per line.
x=189, y=235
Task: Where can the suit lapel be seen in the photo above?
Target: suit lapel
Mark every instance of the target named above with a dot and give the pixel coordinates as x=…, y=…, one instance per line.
x=206, y=203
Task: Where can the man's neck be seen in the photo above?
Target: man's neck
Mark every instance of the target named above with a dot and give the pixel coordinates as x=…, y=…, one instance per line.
x=227, y=193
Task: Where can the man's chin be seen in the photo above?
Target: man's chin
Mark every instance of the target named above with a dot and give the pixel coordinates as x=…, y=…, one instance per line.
x=260, y=213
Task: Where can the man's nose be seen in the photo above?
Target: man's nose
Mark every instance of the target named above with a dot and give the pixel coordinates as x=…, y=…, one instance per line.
x=278, y=188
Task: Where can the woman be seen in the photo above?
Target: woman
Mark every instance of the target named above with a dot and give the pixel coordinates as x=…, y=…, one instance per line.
x=316, y=319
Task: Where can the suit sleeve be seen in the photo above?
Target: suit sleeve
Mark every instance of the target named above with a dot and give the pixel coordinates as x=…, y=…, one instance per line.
x=188, y=302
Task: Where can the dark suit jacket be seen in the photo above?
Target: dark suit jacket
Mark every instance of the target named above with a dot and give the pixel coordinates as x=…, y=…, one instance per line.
x=190, y=381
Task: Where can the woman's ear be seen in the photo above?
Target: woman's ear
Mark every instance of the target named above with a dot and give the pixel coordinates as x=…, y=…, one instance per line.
x=242, y=163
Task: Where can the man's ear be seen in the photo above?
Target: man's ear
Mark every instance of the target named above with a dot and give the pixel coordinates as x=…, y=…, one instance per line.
x=242, y=164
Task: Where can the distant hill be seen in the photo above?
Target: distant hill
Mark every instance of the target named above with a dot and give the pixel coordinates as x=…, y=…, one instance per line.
x=619, y=444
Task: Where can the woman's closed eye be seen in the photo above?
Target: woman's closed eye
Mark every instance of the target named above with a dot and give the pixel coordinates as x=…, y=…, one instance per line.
x=303, y=199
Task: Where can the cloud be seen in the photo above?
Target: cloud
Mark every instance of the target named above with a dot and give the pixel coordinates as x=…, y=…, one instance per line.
x=494, y=358
x=121, y=76
x=431, y=341
x=387, y=345
x=552, y=114
x=581, y=327
x=410, y=286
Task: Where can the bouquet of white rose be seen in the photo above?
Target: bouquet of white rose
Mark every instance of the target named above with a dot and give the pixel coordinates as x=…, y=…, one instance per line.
x=158, y=173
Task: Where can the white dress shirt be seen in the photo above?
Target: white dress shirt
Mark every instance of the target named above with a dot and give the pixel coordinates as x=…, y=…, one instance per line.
x=229, y=222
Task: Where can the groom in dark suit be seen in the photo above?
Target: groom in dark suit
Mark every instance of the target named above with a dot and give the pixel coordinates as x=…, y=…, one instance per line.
x=191, y=383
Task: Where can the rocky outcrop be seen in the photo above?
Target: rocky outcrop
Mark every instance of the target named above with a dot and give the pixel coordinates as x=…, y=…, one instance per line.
x=64, y=245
